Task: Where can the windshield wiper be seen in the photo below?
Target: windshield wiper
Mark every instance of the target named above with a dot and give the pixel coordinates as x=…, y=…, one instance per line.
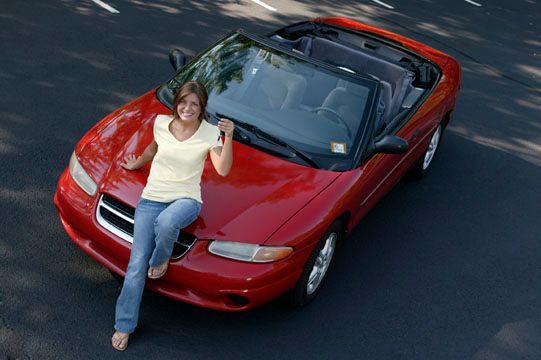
x=261, y=134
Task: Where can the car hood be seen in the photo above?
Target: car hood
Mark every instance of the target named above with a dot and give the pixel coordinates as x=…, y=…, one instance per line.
x=259, y=195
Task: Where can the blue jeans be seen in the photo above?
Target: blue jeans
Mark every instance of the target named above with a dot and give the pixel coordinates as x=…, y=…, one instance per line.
x=156, y=228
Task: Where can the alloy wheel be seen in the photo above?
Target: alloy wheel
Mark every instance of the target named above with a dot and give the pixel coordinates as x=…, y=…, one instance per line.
x=321, y=264
x=432, y=148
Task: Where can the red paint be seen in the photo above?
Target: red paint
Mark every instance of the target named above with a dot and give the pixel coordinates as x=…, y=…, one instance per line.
x=264, y=200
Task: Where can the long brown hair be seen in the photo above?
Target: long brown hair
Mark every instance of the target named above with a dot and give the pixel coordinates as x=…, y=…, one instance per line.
x=192, y=87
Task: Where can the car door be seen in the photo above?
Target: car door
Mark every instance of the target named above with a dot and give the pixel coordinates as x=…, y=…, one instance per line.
x=381, y=172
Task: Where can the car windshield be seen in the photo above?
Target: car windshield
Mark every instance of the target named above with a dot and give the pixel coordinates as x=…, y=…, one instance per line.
x=319, y=112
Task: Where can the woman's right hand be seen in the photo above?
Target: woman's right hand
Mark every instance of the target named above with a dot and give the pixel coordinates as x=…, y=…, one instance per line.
x=130, y=162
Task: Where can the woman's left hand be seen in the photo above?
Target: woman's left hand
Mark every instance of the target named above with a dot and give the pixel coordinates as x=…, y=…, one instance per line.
x=227, y=126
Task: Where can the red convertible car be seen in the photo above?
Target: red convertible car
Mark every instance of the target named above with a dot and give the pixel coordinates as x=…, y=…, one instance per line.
x=329, y=113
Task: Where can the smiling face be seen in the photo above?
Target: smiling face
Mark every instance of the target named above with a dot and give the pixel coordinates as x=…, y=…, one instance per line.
x=190, y=102
x=189, y=108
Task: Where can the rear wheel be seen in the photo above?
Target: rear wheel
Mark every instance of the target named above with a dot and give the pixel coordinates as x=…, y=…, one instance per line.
x=316, y=267
x=421, y=166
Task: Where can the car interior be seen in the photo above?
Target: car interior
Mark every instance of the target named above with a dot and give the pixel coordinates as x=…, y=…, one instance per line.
x=279, y=89
x=403, y=77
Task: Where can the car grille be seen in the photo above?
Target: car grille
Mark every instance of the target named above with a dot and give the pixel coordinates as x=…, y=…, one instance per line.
x=117, y=217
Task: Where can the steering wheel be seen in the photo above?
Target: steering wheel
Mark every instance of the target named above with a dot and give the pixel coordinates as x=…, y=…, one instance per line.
x=336, y=115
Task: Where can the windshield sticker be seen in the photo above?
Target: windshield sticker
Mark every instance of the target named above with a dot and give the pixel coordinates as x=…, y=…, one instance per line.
x=338, y=147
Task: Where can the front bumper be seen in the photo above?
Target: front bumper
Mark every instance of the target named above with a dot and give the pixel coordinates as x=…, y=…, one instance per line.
x=198, y=278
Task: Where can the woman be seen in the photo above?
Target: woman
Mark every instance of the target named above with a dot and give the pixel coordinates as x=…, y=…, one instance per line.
x=171, y=199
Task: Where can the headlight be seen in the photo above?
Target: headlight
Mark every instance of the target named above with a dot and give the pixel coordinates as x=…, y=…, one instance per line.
x=249, y=252
x=81, y=177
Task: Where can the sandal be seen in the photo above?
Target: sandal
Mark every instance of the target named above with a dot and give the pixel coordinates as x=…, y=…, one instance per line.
x=120, y=340
x=158, y=271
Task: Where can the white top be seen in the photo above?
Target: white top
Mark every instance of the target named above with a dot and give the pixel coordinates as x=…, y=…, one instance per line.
x=177, y=166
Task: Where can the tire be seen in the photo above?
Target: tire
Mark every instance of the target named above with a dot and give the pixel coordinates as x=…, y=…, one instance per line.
x=420, y=168
x=316, y=267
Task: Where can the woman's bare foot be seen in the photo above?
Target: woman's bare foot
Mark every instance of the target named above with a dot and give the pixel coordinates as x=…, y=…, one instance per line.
x=120, y=340
x=158, y=271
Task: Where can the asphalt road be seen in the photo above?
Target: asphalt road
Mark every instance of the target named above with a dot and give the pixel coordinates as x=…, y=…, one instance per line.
x=445, y=268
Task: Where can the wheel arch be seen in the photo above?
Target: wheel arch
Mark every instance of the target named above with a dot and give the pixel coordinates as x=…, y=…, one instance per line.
x=446, y=118
x=345, y=223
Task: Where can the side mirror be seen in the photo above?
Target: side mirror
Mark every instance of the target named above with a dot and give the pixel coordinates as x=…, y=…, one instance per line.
x=391, y=144
x=177, y=59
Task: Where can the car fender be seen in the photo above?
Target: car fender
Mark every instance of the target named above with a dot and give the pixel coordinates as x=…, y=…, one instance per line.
x=308, y=225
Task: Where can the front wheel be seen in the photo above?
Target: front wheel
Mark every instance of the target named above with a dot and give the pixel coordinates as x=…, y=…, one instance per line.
x=316, y=267
x=421, y=166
